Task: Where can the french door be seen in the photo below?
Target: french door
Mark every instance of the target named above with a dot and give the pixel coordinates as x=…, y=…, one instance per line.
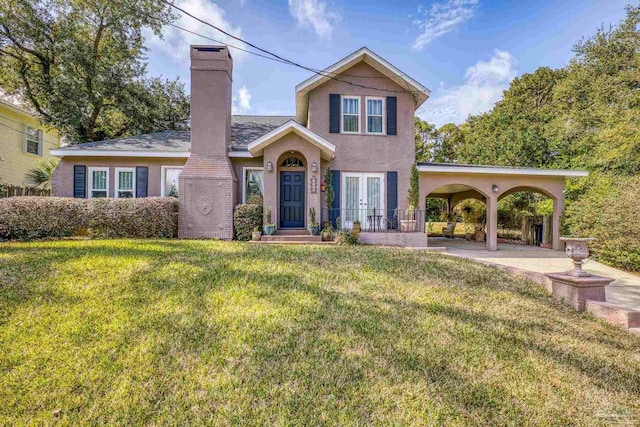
x=362, y=198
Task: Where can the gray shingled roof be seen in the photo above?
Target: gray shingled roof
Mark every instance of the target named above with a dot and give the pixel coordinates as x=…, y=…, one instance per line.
x=244, y=130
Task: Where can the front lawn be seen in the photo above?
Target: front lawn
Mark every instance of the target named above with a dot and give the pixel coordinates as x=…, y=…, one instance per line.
x=202, y=332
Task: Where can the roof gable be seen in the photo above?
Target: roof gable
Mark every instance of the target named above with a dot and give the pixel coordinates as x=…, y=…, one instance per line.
x=420, y=92
x=327, y=149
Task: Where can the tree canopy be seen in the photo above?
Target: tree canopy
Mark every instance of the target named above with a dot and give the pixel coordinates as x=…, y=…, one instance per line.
x=81, y=66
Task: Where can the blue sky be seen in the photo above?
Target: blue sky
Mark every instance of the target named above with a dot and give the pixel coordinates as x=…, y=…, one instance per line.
x=465, y=51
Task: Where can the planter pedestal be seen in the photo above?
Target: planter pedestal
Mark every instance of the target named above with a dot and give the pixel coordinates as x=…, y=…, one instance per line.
x=574, y=291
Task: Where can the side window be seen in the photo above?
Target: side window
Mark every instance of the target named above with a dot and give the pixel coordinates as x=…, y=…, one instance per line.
x=98, y=182
x=253, y=186
x=350, y=114
x=32, y=143
x=375, y=115
x=125, y=183
x=170, y=175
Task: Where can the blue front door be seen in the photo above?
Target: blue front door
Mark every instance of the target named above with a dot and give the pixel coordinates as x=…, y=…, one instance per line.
x=291, y=199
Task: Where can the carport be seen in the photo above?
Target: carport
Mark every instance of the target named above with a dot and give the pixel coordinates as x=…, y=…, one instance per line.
x=456, y=182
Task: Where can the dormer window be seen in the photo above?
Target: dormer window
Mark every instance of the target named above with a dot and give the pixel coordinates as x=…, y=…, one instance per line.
x=375, y=115
x=350, y=114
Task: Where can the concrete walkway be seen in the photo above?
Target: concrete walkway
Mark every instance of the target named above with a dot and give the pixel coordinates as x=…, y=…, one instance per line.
x=624, y=291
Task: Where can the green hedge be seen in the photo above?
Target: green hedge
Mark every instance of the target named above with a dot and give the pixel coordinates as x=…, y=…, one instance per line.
x=608, y=208
x=27, y=218
x=245, y=218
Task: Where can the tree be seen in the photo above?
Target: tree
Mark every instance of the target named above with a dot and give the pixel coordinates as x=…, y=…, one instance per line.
x=40, y=176
x=413, y=198
x=423, y=139
x=80, y=66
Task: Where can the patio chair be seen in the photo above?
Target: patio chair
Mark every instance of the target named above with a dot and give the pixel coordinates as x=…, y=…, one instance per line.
x=447, y=231
x=392, y=223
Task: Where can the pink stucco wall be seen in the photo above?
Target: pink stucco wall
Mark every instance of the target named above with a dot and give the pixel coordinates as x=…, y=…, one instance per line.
x=62, y=180
x=363, y=152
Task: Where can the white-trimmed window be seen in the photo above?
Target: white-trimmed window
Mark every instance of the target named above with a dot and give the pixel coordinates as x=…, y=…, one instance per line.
x=33, y=141
x=375, y=115
x=169, y=180
x=252, y=185
x=125, y=183
x=350, y=114
x=98, y=182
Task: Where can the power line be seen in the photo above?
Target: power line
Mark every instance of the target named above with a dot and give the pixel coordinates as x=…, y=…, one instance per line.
x=280, y=58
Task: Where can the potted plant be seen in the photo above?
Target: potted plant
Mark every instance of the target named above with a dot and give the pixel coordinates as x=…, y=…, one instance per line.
x=327, y=233
x=314, y=227
x=469, y=229
x=409, y=224
x=269, y=227
x=357, y=226
x=480, y=233
x=256, y=234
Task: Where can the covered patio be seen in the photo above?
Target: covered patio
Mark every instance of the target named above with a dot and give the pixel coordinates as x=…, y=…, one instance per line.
x=455, y=183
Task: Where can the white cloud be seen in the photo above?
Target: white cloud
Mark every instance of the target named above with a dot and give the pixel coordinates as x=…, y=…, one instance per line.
x=484, y=83
x=241, y=101
x=176, y=42
x=441, y=18
x=313, y=13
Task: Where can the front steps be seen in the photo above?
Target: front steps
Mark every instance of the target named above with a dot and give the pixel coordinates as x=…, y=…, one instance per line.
x=291, y=236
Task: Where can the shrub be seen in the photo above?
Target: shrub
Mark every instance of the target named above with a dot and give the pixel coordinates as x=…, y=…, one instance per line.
x=26, y=218
x=609, y=210
x=54, y=217
x=141, y=218
x=245, y=219
x=349, y=237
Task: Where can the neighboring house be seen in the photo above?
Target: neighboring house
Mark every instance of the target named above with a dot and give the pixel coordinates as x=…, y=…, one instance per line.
x=23, y=144
x=356, y=117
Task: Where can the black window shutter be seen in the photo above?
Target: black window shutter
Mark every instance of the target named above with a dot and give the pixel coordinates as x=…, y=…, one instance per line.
x=392, y=115
x=334, y=209
x=392, y=193
x=334, y=113
x=79, y=181
x=142, y=181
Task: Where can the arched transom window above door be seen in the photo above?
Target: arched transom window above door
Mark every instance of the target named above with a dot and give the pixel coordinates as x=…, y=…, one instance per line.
x=292, y=162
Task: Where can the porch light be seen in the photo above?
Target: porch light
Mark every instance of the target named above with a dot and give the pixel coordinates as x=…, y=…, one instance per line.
x=322, y=186
x=314, y=167
x=270, y=166
x=495, y=188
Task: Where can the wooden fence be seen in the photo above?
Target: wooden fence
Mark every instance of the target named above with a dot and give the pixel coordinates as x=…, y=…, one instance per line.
x=7, y=190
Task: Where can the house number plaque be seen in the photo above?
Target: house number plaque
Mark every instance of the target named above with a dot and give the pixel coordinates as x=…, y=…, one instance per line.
x=314, y=185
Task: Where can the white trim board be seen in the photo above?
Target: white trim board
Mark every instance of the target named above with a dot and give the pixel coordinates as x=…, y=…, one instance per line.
x=327, y=149
x=116, y=188
x=501, y=171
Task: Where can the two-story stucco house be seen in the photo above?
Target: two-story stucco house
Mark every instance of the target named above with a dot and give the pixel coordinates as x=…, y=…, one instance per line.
x=356, y=117
x=365, y=136
x=24, y=143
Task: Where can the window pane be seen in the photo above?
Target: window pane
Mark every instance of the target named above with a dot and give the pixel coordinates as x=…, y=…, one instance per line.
x=32, y=146
x=373, y=194
x=98, y=194
x=374, y=106
x=125, y=180
x=99, y=180
x=350, y=106
x=374, y=124
x=350, y=124
x=171, y=182
x=351, y=199
x=255, y=186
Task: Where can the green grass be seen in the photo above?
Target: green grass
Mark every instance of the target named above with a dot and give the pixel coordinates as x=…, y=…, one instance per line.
x=201, y=332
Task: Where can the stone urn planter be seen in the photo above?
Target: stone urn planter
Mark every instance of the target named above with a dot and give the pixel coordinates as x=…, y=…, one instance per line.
x=407, y=225
x=480, y=235
x=577, y=248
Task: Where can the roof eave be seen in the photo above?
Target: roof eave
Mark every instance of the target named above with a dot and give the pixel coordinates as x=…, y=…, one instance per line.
x=327, y=149
x=502, y=171
x=118, y=153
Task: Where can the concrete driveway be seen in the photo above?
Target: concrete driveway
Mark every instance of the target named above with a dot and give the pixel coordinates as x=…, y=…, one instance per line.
x=624, y=291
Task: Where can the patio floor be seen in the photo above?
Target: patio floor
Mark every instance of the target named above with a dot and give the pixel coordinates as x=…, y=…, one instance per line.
x=624, y=291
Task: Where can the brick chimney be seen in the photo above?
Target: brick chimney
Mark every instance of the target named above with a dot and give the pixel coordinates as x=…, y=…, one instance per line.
x=208, y=183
